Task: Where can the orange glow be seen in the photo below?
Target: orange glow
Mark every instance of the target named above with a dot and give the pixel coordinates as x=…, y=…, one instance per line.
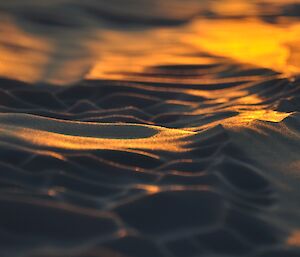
x=103, y=53
x=22, y=56
x=151, y=189
x=250, y=41
x=263, y=115
x=294, y=239
x=142, y=50
x=235, y=7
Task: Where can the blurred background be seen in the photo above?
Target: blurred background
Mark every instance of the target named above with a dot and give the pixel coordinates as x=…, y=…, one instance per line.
x=63, y=41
